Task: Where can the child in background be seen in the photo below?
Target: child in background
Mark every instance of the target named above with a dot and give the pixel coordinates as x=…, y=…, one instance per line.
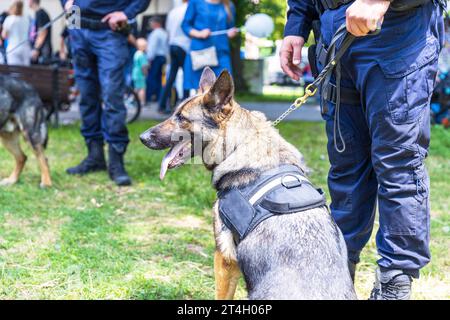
x=140, y=69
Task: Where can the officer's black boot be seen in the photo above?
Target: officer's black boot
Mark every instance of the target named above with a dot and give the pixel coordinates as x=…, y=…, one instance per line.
x=391, y=284
x=116, y=168
x=352, y=270
x=95, y=160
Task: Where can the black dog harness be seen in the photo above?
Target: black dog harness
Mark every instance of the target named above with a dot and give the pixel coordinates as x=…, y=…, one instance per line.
x=282, y=190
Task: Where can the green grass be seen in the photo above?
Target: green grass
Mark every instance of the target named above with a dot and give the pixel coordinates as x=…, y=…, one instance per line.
x=87, y=239
x=272, y=94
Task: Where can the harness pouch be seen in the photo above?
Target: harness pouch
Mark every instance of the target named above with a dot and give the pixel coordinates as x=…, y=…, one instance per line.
x=236, y=212
x=283, y=200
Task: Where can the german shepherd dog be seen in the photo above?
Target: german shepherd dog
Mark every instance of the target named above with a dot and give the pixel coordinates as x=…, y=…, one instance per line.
x=22, y=113
x=290, y=256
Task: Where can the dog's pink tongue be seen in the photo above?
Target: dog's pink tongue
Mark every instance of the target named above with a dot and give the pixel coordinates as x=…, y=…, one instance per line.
x=173, y=152
x=164, y=166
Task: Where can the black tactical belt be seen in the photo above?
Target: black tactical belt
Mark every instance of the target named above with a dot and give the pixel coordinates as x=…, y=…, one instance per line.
x=333, y=4
x=396, y=5
x=93, y=24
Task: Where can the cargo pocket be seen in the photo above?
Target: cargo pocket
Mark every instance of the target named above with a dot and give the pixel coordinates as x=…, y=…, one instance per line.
x=409, y=81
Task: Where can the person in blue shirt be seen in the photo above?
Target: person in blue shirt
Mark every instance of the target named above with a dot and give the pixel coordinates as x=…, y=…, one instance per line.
x=386, y=132
x=203, y=17
x=100, y=53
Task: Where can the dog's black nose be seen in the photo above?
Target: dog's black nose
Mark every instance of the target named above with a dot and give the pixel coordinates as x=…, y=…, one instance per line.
x=142, y=137
x=147, y=138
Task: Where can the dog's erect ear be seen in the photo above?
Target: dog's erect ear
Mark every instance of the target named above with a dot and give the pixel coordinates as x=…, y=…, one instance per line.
x=221, y=93
x=207, y=79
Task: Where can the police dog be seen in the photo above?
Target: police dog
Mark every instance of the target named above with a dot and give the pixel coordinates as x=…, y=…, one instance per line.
x=22, y=113
x=290, y=256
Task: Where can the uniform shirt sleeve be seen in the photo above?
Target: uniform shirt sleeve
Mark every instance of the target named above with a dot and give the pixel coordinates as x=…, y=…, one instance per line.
x=188, y=22
x=300, y=15
x=136, y=7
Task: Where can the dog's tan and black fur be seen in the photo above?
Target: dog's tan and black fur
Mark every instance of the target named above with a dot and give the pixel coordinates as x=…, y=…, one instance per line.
x=22, y=114
x=292, y=256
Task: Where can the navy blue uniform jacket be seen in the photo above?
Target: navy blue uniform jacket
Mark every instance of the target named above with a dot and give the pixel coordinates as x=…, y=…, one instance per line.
x=300, y=16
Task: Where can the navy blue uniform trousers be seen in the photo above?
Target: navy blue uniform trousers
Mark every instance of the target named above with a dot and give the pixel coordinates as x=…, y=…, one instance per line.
x=387, y=136
x=99, y=58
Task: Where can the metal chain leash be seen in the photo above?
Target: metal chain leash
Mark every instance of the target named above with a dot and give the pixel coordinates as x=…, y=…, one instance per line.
x=310, y=91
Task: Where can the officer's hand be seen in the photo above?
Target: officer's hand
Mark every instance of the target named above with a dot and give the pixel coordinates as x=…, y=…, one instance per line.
x=291, y=56
x=115, y=19
x=364, y=16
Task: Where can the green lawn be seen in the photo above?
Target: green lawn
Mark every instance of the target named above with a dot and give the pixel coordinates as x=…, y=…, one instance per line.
x=272, y=94
x=87, y=239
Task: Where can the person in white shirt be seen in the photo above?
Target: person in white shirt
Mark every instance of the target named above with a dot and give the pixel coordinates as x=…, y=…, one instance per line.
x=157, y=51
x=15, y=29
x=179, y=46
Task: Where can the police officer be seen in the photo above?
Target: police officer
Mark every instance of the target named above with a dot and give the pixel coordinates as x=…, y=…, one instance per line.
x=100, y=52
x=386, y=131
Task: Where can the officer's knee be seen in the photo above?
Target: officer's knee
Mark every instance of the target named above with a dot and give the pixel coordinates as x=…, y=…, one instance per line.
x=401, y=171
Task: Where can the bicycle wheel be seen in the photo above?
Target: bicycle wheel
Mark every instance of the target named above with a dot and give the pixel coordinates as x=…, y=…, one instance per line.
x=132, y=104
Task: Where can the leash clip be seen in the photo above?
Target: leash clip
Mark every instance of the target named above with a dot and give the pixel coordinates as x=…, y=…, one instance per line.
x=310, y=91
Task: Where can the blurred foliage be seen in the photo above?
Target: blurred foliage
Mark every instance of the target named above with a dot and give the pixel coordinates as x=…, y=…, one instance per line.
x=274, y=8
x=245, y=8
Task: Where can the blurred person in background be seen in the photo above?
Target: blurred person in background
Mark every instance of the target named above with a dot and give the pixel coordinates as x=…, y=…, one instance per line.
x=157, y=51
x=179, y=45
x=40, y=41
x=15, y=30
x=100, y=52
x=3, y=16
x=64, y=46
x=132, y=47
x=140, y=69
x=203, y=17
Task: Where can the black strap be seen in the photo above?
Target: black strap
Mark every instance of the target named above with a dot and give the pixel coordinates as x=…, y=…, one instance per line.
x=333, y=4
x=321, y=52
x=336, y=56
x=93, y=24
x=347, y=95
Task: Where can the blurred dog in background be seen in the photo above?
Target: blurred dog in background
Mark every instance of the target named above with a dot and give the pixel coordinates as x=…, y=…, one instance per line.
x=22, y=113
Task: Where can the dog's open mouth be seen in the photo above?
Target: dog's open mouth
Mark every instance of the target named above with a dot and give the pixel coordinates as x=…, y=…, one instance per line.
x=177, y=156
